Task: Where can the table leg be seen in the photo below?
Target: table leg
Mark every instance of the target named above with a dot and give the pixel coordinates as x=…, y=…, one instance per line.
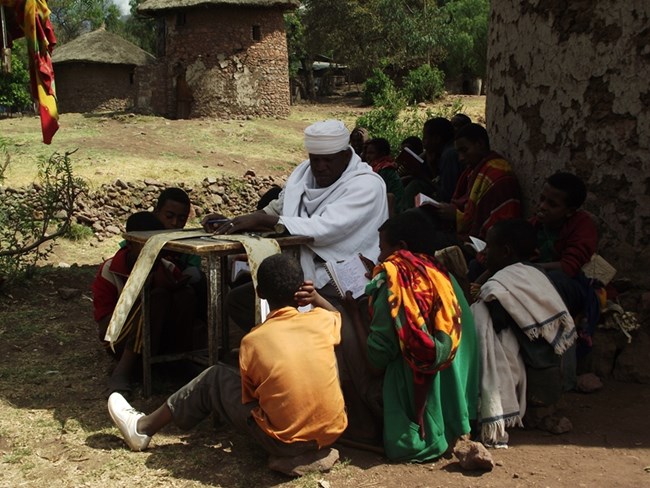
x=223, y=316
x=214, y=306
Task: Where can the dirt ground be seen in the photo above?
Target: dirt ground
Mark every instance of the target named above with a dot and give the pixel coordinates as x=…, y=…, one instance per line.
x=55, y=430
x=54, y=427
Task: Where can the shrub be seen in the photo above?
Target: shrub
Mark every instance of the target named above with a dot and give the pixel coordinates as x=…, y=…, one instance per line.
x=28, y=225
x=423, y=84
x=78, y=232
x=395, y=122
x=378, y=88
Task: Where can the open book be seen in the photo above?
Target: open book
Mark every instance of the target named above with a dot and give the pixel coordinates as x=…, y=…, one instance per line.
x=422, y=199
x=348, y=275
x=409, y=162
x=477, y=244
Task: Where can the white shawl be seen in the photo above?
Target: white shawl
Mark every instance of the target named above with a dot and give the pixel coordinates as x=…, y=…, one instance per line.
x=343, y=218
x=532, y=301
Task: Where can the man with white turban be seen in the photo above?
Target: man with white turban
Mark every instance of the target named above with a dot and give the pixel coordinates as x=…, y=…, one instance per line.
x=338, y=200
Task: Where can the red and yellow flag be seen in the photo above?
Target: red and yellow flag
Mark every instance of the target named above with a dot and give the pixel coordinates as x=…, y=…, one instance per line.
x=33, y=18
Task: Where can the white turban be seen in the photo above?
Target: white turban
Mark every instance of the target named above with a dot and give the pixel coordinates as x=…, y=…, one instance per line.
x=326, y=137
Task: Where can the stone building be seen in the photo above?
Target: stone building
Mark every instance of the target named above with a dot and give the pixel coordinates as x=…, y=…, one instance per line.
x=217, y=58
x=568, y=89
x=95, y=72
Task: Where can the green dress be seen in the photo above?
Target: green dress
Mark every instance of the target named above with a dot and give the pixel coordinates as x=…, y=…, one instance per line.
x=451, y=402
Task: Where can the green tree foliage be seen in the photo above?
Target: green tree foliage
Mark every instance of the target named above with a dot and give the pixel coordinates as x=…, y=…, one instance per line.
x=30, y=220
x=71, y=18
x=396, y=35
x=14, y=86
x=395, y=121
x=378, y=89
x=467, y=44
x=423, y=84
x=365, y=34
x=140, y=29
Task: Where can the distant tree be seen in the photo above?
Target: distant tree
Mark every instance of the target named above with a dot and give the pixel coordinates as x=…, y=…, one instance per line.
x=141, y=29
x=467, y=44
x=71, y=18
x=14, y=86
x=369, y=34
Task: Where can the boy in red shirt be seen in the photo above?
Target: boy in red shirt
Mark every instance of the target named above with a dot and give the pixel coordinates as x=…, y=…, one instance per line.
x=170, y=298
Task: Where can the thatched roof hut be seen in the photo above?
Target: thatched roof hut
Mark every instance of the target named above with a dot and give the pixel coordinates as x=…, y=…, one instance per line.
x=96, y=71
x=157, y=5
x=101, y=46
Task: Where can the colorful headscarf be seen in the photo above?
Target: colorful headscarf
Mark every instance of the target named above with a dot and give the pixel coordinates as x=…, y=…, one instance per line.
x=426, y=316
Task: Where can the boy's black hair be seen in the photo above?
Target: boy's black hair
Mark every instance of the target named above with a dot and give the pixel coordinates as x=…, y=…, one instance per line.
x=519, y=234
x=417, y=230
x=474, y=133
x=270, y=195
x=465, y=119
x=414, y=143
x=441, y=127
x=278, y=278
x=174, y=194
x=381, y=145
x=143, y=221
x=573, y=187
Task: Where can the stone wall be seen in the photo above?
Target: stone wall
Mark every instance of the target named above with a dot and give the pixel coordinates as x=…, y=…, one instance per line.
x=150, y=87
x=213, y=62
x=107, y=208
x=89, y=87
x=568, y=89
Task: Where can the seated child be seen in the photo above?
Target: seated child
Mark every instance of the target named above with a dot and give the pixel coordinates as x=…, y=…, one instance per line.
x=286, y=394
x=524, y=329
x=487, y=191
x=171, y=302
x=377, y=155
x=567, y=238
x=430, y=375
x=173, y=209
x=358, y=138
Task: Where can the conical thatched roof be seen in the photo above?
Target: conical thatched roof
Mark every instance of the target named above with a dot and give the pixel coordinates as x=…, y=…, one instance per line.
x=150, y=6
x=101, y=46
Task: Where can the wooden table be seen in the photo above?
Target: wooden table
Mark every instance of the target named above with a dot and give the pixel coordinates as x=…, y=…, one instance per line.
x=216, y=253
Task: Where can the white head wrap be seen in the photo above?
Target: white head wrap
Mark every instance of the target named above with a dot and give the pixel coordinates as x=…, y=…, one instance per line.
x=326, y=137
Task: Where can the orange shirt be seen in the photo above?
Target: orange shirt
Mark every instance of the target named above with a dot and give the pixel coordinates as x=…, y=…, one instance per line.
x=288, y=365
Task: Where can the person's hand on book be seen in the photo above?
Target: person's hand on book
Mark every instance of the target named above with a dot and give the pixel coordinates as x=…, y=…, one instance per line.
x=369, y=264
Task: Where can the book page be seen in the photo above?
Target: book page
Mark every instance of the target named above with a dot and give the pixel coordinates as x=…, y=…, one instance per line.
x=422, y=199
x=477, y=243
x=349, y=275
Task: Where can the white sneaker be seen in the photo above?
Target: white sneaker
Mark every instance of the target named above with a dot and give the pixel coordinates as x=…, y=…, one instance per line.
x=126, y=418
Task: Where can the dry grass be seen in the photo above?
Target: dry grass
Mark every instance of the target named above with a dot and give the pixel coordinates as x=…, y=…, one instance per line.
x=137, y=147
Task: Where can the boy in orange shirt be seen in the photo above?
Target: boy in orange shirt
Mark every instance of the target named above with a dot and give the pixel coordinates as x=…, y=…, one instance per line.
x=286, y=394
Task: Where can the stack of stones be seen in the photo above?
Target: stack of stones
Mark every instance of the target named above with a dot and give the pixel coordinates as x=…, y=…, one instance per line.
x=105, y=209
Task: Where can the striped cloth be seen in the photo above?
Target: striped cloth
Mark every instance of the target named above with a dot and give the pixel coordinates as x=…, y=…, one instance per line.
x=426, y=316
x=33, y=18
x=485, y=195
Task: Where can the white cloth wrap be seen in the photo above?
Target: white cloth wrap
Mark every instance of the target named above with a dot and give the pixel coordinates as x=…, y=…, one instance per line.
x=534, y=304
x=326, y=137
x=343, y=218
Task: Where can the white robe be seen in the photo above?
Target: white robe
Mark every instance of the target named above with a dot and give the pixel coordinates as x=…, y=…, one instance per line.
x=343, y=218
